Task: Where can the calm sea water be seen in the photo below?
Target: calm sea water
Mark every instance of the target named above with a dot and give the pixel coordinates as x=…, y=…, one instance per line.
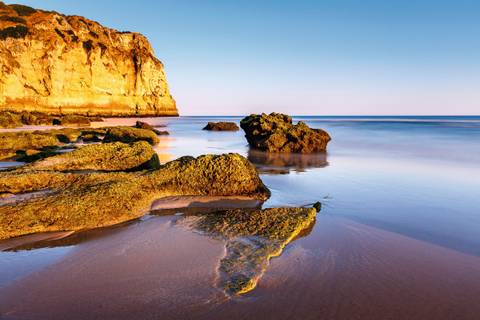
x=398, y=235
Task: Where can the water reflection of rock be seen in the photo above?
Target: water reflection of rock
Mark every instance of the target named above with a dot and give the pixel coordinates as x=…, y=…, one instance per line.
x=283, y=163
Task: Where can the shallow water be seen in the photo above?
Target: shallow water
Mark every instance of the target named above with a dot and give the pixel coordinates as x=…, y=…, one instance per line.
x=397, y=238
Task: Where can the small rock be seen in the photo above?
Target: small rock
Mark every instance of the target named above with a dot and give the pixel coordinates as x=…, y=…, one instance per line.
x=221, y=126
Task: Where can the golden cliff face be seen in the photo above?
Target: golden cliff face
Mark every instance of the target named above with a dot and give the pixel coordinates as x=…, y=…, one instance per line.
x=71, y=65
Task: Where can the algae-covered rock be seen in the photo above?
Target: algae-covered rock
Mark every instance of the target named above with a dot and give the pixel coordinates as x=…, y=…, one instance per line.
x=69, y=120
x=90, y=200
x=10, y=120
x=276, y=133
x=18, y=142
x=221, y=126
x=129, y=134
x=116, y=156
x=252, y=238
x=24, y=140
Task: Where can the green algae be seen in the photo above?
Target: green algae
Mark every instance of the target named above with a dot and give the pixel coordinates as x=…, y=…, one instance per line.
x=23, y=141
x=252, y=237
x=90, y=200
x=116, y=156
x=129, y=134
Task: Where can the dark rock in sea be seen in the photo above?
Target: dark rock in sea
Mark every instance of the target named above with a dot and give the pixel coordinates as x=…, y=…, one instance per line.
x=276, y=133
x=318, y=206
x=144, y=125
x=221, y=126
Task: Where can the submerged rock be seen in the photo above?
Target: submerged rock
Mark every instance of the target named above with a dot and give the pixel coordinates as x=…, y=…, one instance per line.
x=252, y=237
x=221, y=126
x=90, y=200
x=116, y=156
x=129, y=134
x=276, y=133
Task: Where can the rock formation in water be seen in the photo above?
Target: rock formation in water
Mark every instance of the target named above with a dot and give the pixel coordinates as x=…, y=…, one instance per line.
x=275, y=132
x=252, y=238
x=221, y=126
x=59, y=64
x=71, y=201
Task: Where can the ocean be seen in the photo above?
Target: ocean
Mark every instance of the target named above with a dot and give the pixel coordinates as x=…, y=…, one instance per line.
x=398, y=236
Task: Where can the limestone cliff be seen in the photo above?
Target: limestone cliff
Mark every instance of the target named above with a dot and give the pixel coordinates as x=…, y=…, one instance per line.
x=61, y=64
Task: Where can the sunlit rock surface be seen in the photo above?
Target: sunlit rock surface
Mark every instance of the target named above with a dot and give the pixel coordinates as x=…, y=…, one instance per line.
x=252, y=237
x=115, y=156
x=90, y=200
x=60, y=64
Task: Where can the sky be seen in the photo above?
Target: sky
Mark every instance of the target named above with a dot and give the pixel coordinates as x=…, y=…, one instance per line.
x=336, y=57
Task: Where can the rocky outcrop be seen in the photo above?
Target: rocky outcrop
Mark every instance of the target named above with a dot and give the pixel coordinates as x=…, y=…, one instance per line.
x=77, y=201
x=60, y=64
x=116, y=156
x=276, y=133
x=24, y=118
x=38, y=144
x=252, y=237
x=128, y=134
x=221, y=126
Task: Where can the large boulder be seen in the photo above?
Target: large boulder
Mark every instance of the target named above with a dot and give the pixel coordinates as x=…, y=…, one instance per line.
x=221, y=126
x=276, y=133
x=79, y=200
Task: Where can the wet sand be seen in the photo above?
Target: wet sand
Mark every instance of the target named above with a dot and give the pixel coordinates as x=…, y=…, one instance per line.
x=155, y=269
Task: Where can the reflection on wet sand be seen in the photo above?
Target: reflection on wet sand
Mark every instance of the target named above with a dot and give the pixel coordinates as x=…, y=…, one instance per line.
x=162, y=149
x=283, y=163
x=61, y=239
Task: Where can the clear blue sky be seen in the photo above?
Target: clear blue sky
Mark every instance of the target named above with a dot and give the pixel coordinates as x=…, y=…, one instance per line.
x=307, y=57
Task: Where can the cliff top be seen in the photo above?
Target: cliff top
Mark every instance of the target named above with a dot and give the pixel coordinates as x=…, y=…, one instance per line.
x=19, y=21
